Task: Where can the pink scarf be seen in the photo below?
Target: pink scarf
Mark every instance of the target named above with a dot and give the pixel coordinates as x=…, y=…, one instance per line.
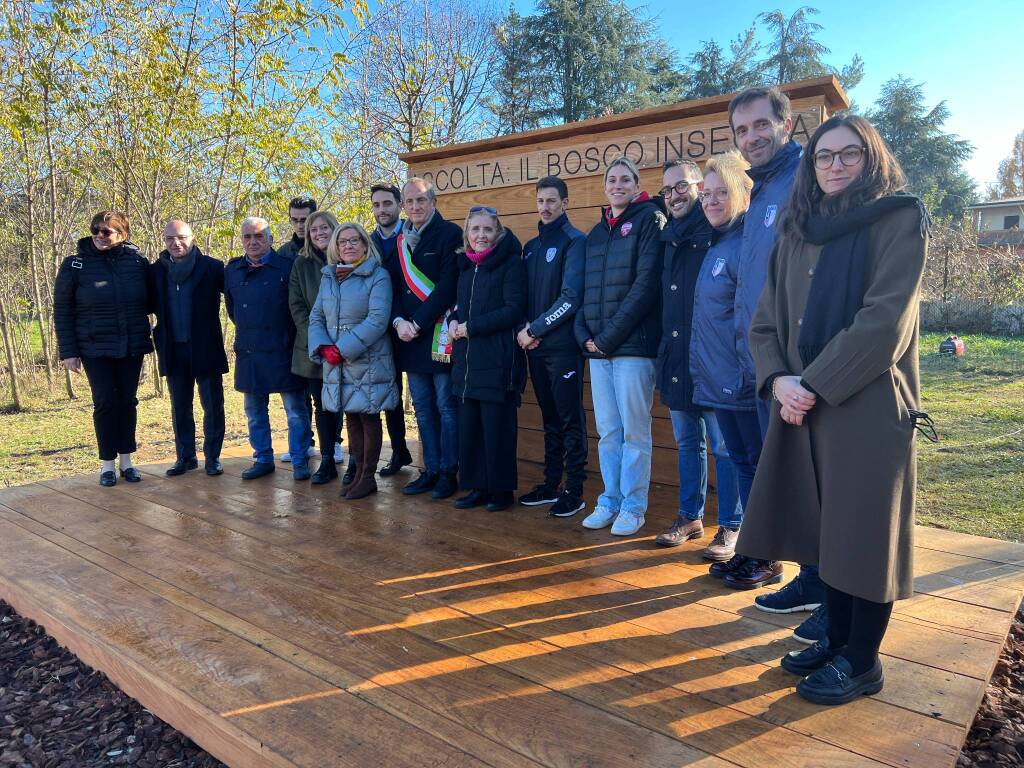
x=478, y=258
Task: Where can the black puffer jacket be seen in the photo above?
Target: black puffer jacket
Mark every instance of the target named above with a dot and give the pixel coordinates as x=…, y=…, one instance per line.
x=490, y=365
x=622, y=291
x=101, y=302
x=686, y=241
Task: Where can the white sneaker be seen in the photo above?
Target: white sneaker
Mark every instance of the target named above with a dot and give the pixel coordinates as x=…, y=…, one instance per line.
x=338, y=455
x=312, y=452
x=285, y=457
x=627, y=523
x=601, y=517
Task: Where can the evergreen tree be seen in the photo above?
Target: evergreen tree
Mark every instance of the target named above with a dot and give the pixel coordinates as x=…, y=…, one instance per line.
x=930, y=157
x=796, y=54
x=520, y=94
x=711, y=73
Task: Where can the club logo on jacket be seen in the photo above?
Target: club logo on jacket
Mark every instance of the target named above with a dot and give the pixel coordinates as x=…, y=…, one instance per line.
x=719, y=266
x=627, y=228
x=550, y=255
x=769, y=215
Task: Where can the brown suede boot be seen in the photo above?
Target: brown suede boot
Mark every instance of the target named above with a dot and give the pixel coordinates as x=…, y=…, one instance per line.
x=372, y=438
x=354, y=427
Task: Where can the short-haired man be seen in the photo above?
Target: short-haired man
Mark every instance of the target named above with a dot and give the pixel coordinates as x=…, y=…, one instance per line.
x=187, y=287
x=256, y=294
x=687, y=238
x=554, y=267
x=299, y=209
x=425, y=277
x=762, y=123
x=386, y=204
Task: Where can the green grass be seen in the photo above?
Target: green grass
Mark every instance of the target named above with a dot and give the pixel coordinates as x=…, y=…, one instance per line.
x=972, y=481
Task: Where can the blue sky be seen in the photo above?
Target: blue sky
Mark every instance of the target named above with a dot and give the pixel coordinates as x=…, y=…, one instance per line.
x=966, y=53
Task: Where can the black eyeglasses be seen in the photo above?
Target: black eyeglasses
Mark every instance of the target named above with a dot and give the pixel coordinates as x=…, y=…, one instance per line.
x=105, y=231
x=680, y=189
x=848, y=156
x=484, y=209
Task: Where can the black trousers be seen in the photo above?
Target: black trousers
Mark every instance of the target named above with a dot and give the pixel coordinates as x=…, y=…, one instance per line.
x=328, y=423
x=114, y=382
x=395, y=418
x=558, y=385
x=182, y=384
x=487, y=445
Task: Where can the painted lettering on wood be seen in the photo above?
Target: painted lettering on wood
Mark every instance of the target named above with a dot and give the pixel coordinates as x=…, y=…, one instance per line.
x=649, y=147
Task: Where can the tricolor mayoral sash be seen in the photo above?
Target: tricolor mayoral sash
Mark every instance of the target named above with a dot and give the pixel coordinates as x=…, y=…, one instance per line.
x=422, y=286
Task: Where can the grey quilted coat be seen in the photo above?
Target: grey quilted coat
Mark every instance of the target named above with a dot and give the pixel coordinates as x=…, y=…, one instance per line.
x=354, y=316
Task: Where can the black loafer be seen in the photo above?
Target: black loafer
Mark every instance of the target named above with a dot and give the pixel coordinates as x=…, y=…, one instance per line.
x=425, y=482
x=835, y=683
x=500, y=501
x=181, y=466
x=131, y=475
x=472, y=499
x=259, y=469
x=108, y=479
x=810, y=659
x=400, y=458
x=214, y=467
x=446, y=486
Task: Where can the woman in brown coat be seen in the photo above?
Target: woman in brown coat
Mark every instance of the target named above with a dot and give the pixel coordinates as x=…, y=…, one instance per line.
x=835, y=342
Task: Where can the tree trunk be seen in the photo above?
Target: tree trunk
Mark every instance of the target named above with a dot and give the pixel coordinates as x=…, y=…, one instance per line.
x=41, y=310
x=12, y=368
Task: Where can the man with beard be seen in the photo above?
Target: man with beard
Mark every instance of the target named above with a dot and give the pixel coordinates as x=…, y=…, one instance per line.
x=386, y=204
x=762, y=121
x=686, y=239
x=187, y=287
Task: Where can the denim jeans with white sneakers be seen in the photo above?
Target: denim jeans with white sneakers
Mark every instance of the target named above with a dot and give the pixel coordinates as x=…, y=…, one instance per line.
x=623, y=393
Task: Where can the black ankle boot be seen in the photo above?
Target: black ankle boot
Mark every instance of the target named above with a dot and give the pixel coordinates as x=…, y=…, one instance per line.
x=326, y=472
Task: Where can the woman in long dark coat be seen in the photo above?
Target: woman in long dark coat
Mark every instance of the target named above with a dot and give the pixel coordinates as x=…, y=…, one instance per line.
x=835, y=341
x=488, y=366
x=101, y=303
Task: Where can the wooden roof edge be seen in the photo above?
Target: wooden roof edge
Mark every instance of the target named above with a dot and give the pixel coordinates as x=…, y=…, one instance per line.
x=828, y=86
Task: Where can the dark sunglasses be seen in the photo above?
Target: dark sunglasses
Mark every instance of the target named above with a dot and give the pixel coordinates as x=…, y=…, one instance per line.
x=105, y=231
x=484, y=209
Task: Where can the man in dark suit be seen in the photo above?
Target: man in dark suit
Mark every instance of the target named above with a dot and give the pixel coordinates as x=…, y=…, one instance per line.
x=424, y=276
x=187, y=287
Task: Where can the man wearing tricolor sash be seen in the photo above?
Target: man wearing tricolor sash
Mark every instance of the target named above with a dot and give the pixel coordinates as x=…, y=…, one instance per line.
x=424, y=277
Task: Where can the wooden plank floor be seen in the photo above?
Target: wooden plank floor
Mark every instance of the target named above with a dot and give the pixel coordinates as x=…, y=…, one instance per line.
x=280, y=626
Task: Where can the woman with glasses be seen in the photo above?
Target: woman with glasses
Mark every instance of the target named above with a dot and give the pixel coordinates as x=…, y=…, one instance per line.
x=348, y=335
x=101, y=307
x=488, y=366
x=619, y=328
x=719, y=381
x=835, y=341
x=303, y=286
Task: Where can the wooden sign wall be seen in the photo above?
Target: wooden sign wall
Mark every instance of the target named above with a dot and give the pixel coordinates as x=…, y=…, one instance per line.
x=502, y=173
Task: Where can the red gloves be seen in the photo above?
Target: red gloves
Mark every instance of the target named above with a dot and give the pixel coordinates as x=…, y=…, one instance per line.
x=331, y=354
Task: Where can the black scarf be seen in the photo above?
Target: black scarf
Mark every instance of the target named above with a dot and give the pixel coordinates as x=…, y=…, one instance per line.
x=180, y=271
x=837, y=288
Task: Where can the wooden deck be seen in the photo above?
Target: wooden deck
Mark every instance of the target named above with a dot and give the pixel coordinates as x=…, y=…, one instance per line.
x=279, y=626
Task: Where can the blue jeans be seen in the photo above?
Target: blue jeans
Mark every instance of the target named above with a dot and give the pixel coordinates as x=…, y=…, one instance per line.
x=742, y=436
x=437, y=417
x=623, y=393
x=692, y=431
x=300, y=431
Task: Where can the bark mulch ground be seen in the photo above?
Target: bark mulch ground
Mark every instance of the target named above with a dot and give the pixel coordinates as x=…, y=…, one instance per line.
x=55, y=712
x=997, y=735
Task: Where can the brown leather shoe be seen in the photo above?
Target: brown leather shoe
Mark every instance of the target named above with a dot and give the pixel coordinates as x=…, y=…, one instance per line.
x=682, y=530
x=723, y=546
x=755, y=573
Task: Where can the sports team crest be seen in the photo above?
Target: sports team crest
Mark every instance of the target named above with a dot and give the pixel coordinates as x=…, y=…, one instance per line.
x=626, y=228
x=719, y=266
x=769, y=215
x=550, y=255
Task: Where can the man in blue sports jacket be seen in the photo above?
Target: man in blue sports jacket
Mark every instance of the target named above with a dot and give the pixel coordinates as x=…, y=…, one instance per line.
x=554, y=267
x=762, y=123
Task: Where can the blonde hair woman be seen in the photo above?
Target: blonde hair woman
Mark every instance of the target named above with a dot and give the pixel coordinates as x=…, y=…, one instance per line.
x=719, y=380
x=348, y=336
